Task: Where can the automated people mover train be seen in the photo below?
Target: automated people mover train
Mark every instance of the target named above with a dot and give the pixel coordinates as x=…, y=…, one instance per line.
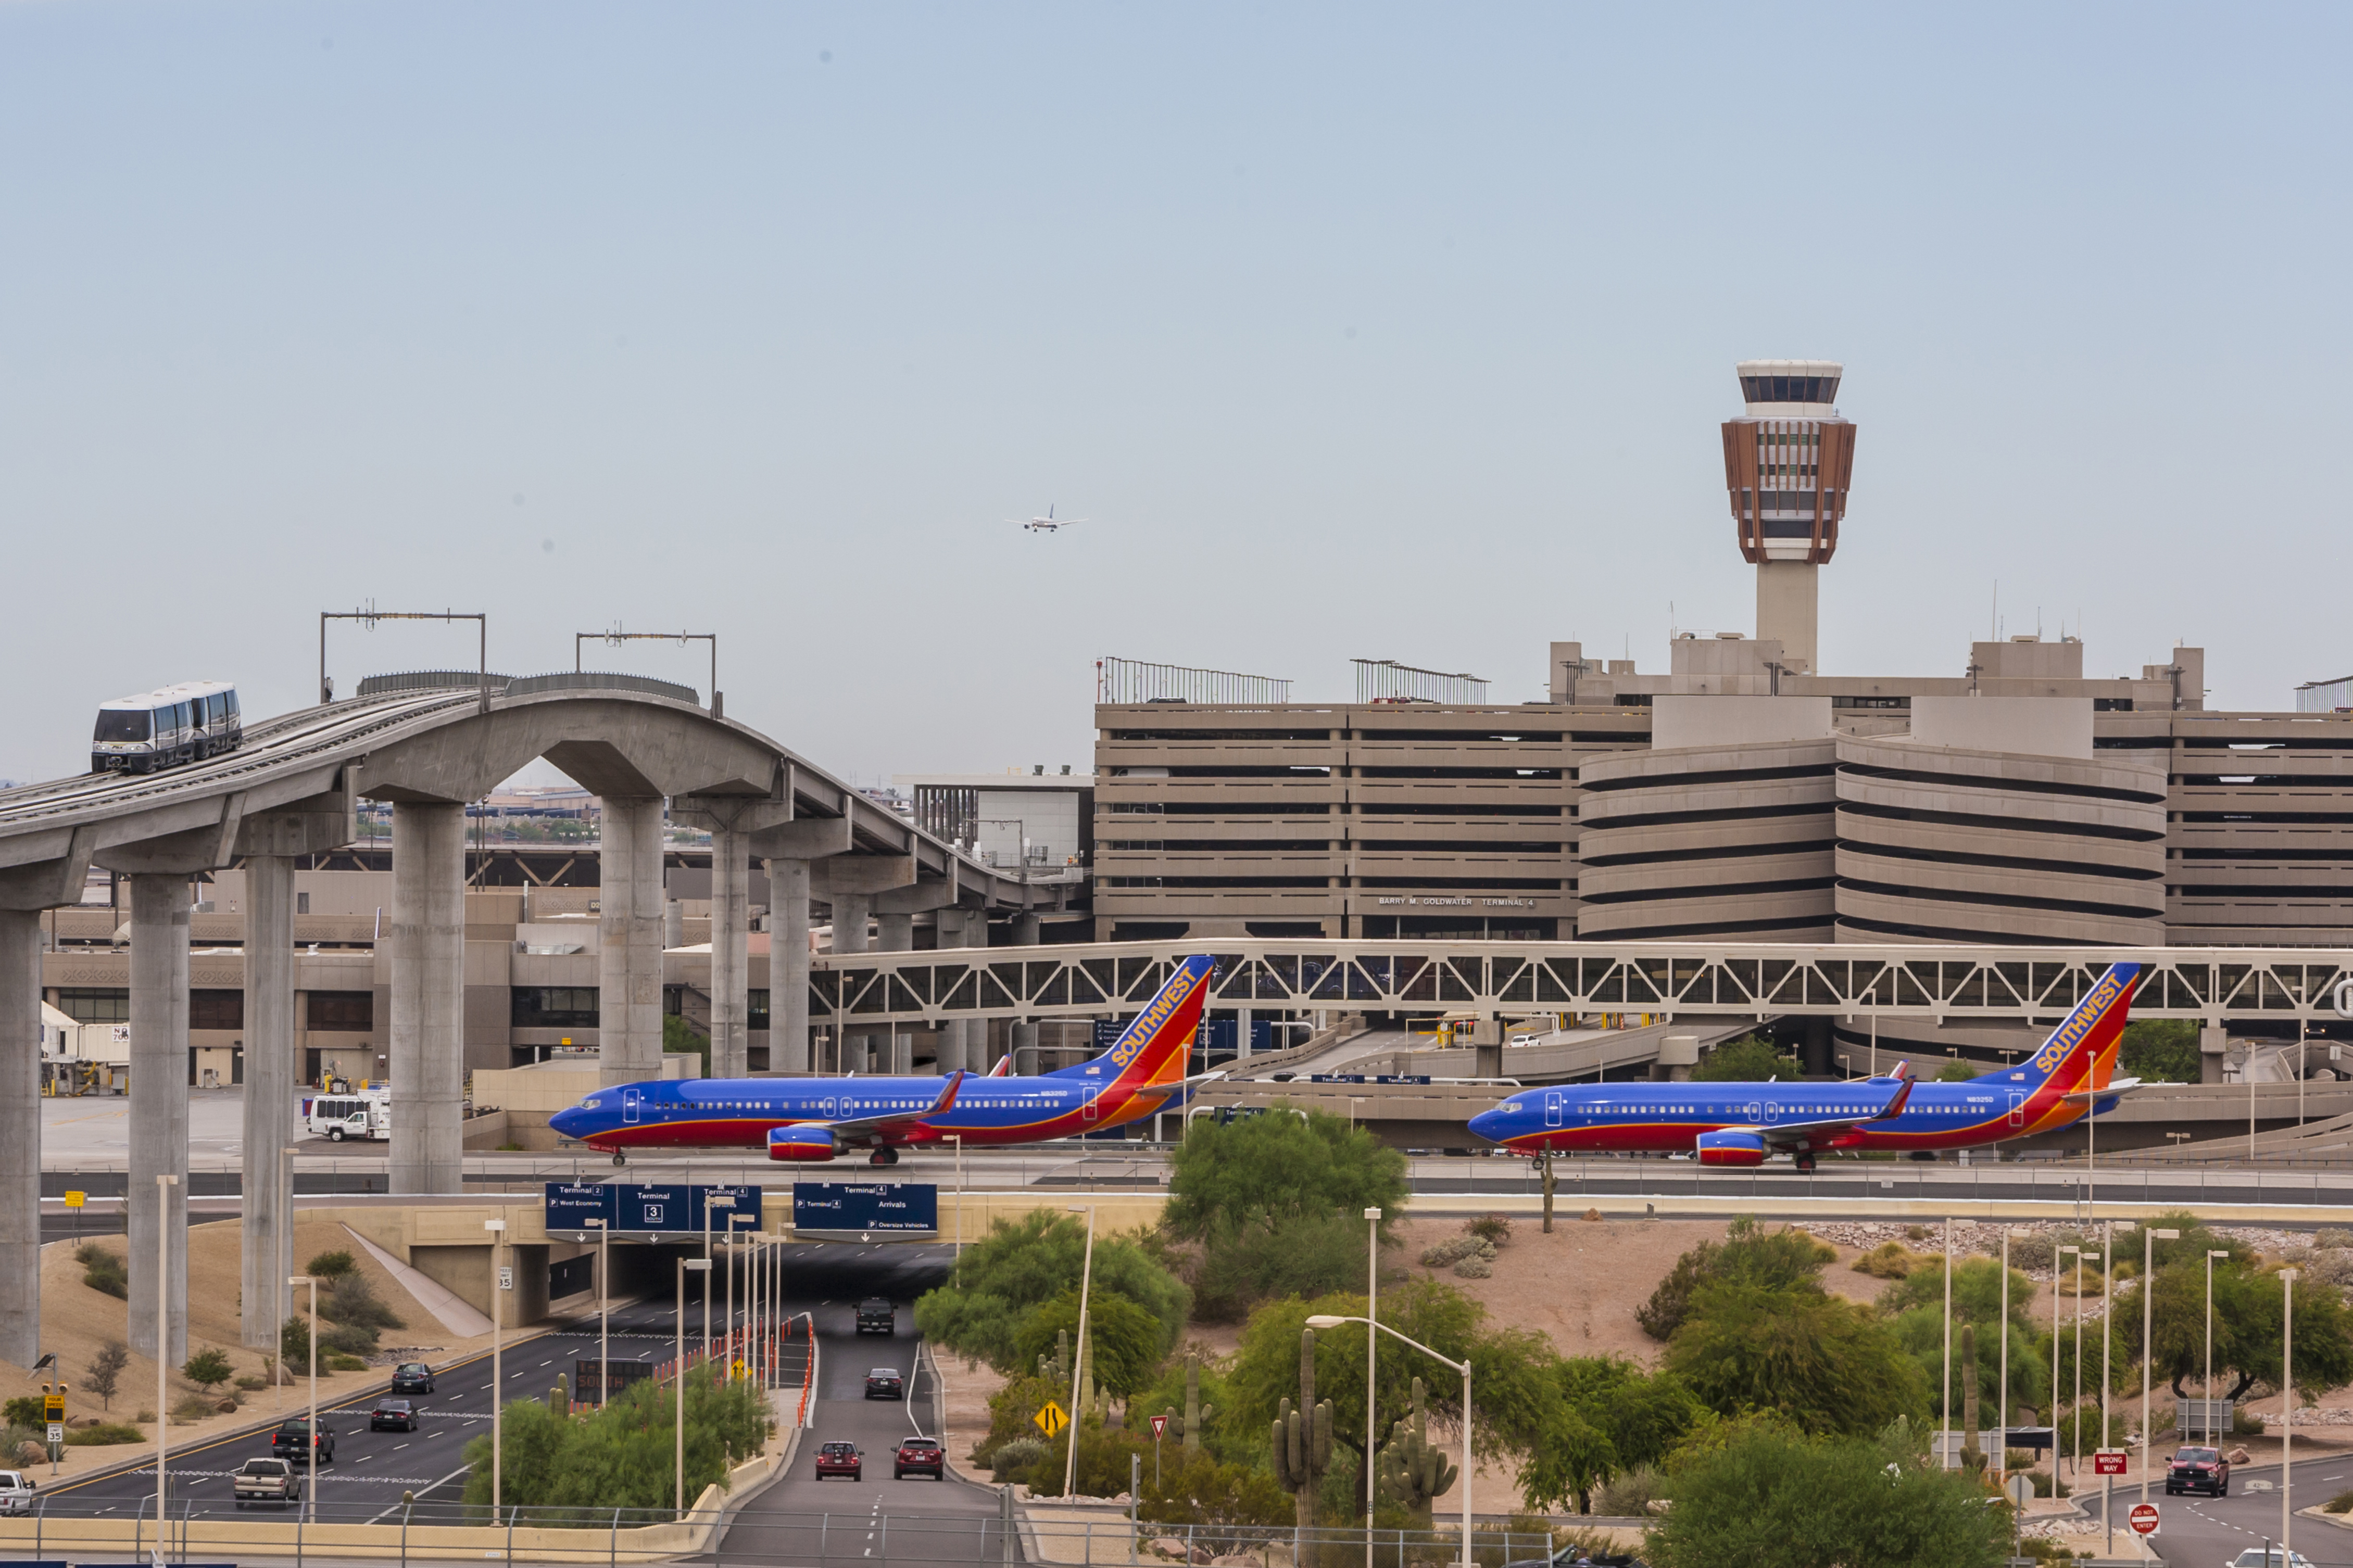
x=166, y=727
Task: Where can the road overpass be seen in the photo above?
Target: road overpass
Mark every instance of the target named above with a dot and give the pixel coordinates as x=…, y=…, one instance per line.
x=427, y=749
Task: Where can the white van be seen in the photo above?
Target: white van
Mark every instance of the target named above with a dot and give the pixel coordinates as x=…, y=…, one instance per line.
x=336, y=1117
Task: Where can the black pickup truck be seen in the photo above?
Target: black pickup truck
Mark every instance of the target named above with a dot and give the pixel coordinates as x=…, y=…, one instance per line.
x=877, y=1316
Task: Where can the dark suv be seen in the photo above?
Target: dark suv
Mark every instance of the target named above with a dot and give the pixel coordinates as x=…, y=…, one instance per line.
x=2198, y=1470
x=877, y=1316
x=294, y=1442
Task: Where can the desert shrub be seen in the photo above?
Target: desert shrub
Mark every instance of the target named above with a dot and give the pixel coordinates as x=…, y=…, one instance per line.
x=2333, y=1265
x=2342, y=1502
x=1455, y=1248
x=1473, y=1268
x=348, y=1340
x=1269, y=1259
x=191, y=1410
x=1915, y=1232
x=207, y=1369
x=1489, y=1228
x=1631, y=1494
x=24, y=1411
x=294, y=1344
x=1888, y=1260
x=1782, y=1260
x=248, y=1383
x=340, y=1362
x=353, y=1301
x=1013, y=1461
x=103, y=1271
x=106, y=1432
x=2329, y=1236
x=331, y=1265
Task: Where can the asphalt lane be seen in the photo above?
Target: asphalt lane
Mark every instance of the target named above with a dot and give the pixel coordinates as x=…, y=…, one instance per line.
x=876, y=1520
x=2208, y=1532
x=371, y=1469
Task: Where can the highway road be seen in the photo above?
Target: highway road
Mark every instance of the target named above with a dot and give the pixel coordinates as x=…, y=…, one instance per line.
x=371, y=1469
x=2206, y=1532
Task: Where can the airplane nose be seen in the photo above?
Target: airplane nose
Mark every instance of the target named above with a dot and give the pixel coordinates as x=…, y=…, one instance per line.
x=565, y=1122
x=1487, y=1125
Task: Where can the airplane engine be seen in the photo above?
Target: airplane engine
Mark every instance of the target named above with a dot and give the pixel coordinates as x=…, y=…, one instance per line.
x=803, y=1143
x=1731, y=1148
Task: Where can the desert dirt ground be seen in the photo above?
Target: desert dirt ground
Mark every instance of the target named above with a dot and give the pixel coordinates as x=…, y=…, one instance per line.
x=77, y=1320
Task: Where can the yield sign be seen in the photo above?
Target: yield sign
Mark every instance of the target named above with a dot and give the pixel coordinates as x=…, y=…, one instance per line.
x=1159, y=1428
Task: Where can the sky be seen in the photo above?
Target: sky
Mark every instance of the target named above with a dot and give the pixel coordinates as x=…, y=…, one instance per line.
x=1353, y=331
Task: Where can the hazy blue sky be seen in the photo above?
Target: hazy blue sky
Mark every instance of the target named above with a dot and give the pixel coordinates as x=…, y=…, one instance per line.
x=1395, y=331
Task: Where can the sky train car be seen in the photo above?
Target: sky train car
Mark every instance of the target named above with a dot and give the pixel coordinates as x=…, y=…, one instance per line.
x=166, y=727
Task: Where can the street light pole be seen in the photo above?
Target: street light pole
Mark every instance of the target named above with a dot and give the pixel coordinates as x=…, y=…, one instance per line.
x=1321, y=1322
x=2287, y=1410
x=2210, y=1338
x=285, y=1265
x=1945, y=1457
x=2149, y=1238
x=1372, y=1311
x=163, y=1183
x=2055, y=1256
x=702, y=1265
x=311, y=1470
x=498, y=1229
x=1079, y=1354
x=604, y=1312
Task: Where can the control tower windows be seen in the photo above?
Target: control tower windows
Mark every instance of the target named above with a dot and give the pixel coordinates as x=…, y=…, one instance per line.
x=1789, y=388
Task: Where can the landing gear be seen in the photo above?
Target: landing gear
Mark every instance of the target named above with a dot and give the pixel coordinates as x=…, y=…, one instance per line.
x=884, y=1156
x=1805, y=1164
x=619, y=1158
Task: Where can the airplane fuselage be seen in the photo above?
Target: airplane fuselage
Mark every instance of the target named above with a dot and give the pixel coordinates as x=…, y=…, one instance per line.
x=726, y=1113
x=1668, y=1117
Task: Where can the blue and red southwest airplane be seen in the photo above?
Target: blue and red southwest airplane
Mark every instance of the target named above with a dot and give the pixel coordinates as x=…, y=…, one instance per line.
x=820, y=1118
x=1744, y=1123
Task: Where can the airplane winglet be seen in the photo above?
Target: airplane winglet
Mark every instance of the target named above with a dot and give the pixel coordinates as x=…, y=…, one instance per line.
x=1903, y=1095
x=2120, y=1086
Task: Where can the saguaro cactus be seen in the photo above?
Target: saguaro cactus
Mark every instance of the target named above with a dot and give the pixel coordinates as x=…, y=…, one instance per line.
x=1056, y=1367
x=559, y=1398
x=1412, y=1473
x=1303, y=1437
x=1190, y=1425
x=1973, y=1458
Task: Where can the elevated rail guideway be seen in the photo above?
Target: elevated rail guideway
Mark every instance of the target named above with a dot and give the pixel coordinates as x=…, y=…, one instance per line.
x=427, y=748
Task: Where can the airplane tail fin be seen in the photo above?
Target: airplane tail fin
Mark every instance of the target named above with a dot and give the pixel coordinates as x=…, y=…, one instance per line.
x=1153, y=1048
x=2082, y=1051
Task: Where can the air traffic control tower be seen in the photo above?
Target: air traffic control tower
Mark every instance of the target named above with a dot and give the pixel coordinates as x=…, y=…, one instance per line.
x=1786, y=462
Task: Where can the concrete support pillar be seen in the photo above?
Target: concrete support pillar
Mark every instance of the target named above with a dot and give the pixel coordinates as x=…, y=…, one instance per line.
x=1027, y=929
x=20, y=1136
x=159, y=1109
x=268, y=1234
x=731, y=924
x=2213, y=1049
x=429, y=997
x=1679, y=1054
x=1242, y=1035
x=950, y=1048
x=673, y=923
x=1021, y=1045
x=1814, y=1053
x=629, y=927
x=788, y=965
x=850, y=913
x=894, y=933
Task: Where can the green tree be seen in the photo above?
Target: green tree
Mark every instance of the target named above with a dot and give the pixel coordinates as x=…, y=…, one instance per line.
x=1195, y=1486
x=1275, y=1168
x=1914, y=1307
x=680, y=1039
x=207, y=1369
x=1266, y=1260
x=105, y=1373
x=622, y=1455
x=331, y=1265
x=2247, y=1337
x=1745, y=1060
x=294, y=1344
x=1956, y=1072
x=1022, y=1264
x=1785, y=1259
x=1771, y=1499
x=1124, y=1342
x=1826, y=1364
x=2161, y=1051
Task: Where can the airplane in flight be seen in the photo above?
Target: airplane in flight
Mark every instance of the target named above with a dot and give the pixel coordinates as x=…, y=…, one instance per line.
x=2067, y=1079
x=819, y=1119
x=1045, y=525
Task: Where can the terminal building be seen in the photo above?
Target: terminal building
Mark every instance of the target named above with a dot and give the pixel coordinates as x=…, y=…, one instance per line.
x=1743, y=794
